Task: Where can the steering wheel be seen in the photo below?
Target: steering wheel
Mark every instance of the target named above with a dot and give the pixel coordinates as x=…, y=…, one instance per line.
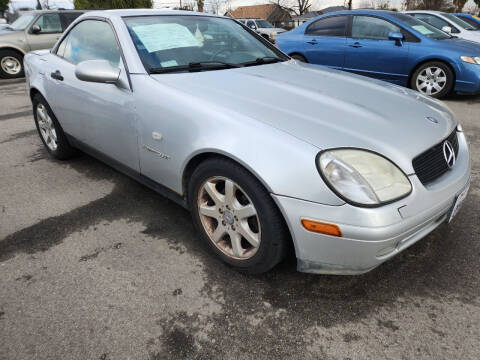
x=215, y=55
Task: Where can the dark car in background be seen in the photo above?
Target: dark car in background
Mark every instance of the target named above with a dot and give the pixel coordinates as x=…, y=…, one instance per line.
x=470, y=19
x=389, y=46
x=33, y=30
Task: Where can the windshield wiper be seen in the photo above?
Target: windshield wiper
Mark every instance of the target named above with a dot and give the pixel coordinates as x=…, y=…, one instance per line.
x=264, y=60
x=195, y=66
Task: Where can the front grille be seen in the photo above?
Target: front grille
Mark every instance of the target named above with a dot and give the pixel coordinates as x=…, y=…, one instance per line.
x=431, y=164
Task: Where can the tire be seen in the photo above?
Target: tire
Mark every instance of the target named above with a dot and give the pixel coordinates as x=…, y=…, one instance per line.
x=50, y=131
x=299, y=58
x=426, y=78
x=267, y=225
x=11, y=64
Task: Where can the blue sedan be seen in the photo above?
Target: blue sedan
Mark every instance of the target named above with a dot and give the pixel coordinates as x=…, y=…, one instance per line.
x=388, y=46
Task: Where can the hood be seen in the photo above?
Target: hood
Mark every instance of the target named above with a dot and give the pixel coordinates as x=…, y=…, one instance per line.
x=324, y=107
x=463, y=46
x=272, y=30
x=473, y=35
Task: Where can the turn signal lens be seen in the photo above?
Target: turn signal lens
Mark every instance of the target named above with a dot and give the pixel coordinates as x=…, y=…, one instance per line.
x=321, y=227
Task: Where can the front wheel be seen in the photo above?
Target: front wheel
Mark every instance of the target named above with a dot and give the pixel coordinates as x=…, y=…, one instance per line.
x=433, y=78
x=236, y=216
x=11, y=64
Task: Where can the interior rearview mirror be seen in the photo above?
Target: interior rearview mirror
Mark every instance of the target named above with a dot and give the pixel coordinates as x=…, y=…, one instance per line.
x=447, y=29
x=36, y=29
x=100, y=71
x=396, y=36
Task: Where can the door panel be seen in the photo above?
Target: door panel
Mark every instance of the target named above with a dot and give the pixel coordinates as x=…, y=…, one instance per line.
x=370, y=52
x=100, y=115
x=325, y=41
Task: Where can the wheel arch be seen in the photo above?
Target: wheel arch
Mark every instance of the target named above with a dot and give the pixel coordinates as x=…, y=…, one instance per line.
x=196, y=159
x=193, y=162
x=34, y=91
x=298, y=53
x=437, y=59
x=13, y=48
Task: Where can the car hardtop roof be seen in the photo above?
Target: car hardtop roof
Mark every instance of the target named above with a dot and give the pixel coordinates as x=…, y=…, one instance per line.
x=360, y=11
x=52, y=11
x=147, y=12
x=424, y=11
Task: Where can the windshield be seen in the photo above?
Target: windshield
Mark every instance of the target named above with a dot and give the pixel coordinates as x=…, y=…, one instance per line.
x=178, y=42
x=22, y=22
x=458, y=21
x=263, y=24
x=422, y=27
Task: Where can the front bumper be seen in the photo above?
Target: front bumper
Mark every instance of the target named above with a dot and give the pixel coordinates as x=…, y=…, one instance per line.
x=468, y=80
x=373, y=235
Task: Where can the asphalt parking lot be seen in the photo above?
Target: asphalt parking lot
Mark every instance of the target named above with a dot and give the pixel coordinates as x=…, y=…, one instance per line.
x=95, y=266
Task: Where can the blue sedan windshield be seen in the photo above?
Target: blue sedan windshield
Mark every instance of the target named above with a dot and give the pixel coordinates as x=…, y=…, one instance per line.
x=170, y=43
x=422, y=27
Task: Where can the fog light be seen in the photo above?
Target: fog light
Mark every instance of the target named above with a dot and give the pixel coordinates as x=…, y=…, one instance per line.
x=321, y=227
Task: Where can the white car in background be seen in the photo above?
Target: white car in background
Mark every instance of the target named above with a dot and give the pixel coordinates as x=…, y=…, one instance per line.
x=448, y=23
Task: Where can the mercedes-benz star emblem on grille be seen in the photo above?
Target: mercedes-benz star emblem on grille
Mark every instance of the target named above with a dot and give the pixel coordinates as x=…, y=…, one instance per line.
x=449, y=153
x=432, y=119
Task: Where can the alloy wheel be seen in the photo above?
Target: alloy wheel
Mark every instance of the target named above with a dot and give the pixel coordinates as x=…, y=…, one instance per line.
x=229, y=218
x=431, y=80
x=47, y=128
x=11, y=65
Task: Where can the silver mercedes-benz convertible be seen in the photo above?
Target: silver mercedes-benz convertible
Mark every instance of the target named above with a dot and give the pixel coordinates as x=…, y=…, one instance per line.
x=270, y=155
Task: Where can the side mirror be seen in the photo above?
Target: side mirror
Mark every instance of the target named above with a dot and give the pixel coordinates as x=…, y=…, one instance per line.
x=253, y=27
x=36, y=29
x=100, y=71
x=447, y=29
x=396, y=36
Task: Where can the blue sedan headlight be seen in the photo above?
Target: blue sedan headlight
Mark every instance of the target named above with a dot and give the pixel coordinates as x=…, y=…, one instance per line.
x=471, y=59
x=362, y=177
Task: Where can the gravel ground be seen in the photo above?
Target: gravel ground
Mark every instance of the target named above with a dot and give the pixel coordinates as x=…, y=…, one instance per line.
x=95, y=266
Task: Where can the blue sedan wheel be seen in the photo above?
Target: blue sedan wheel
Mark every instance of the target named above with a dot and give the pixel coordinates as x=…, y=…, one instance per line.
x=433, y=78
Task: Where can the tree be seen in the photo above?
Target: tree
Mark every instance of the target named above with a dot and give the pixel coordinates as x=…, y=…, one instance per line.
x=459, y=4
x=3, y=6
x=298, y=7
x=477, y=2
x=112, y=4
x=200, y=4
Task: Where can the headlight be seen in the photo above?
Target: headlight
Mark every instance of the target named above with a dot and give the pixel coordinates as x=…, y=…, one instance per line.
x=471, y=59
x=362, y=177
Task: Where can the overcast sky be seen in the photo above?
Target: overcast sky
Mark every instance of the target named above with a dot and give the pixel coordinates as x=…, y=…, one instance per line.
x=316, y=4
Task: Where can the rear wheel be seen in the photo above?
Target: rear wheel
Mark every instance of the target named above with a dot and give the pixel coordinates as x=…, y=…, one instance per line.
x=433, y=78
x=11, y=64
x=299, y=57
x=236, y=216
x=50, y=131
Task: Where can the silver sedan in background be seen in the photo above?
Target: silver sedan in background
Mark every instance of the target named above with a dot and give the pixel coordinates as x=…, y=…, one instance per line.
x=270, y=155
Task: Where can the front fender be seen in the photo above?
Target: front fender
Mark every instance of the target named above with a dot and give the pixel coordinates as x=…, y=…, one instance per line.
x=189, y=127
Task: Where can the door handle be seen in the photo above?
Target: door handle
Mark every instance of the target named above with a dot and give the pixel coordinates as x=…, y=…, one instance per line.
x=57, y=75
x=313, y=42
x=356, y=45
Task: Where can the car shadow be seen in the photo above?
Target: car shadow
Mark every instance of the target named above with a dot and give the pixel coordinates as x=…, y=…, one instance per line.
x=444, y=266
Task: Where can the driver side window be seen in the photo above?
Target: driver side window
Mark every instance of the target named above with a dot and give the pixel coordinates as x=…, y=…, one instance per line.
x=90, y=40
x=49, y=24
